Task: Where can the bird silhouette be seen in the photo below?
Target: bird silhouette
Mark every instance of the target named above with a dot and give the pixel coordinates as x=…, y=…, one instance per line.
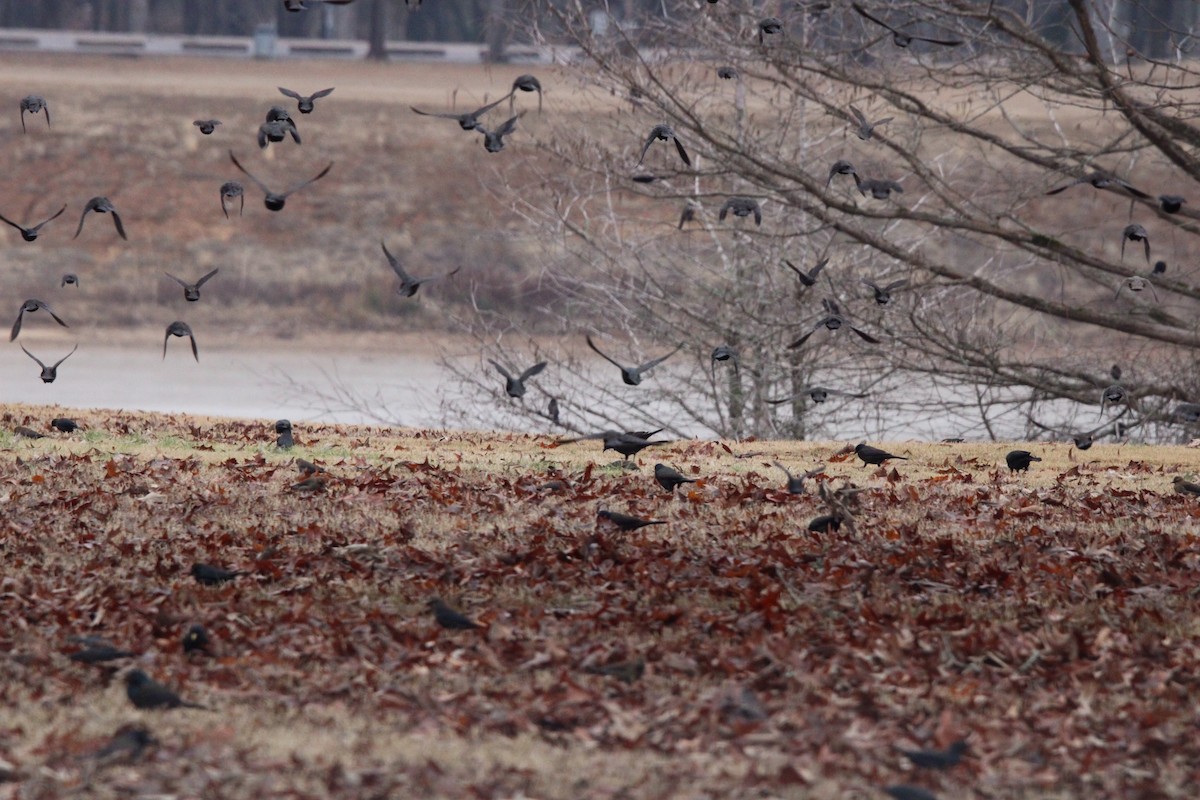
x=230, y=190
x=468, y=121
x=450, y=618
x=900, y=38
x=1019, y=460
x=28, y=433
x=191, y=291
x=552, y=410
x=873, y=455
x=180, y=329
x=688, y=214
x=632, y=376
x=515, y=386
x=1136, y=284
x=206, y=126
x=942, y=759
x=741, y=207
x=1113, y=395
x=1171, y=203
x=64, y=424
x=795, y=483
x=69, y=279
x=408, y=284
x=305, y=102
x=277, y=130
x=30, y=306
x=493, y=140
x=31, y=234
x=33, y=104
x=51, y=372
x=210, y=575
x=1102, y=180
x=525, y=83
x=664, y=133
x=146, y=693
x=865, y=129
x=724, y=353
x=879, y=189
x=842, y=168
x=833, y=320
x=101, y=205
x=670, y=478
x=902, y=791
x=628, y=443
x=626, y=522
x=126, y=745
x=826, y=523
x=195, y=640
x=1135, y=233
x=807, y=278
x=272, y=200
x=727, y=73
x=284, y=440
x=97, y=651
x=883, y=294
x=1084, y=440
x=1184, y=486
x=768, y=26
x=818, y=394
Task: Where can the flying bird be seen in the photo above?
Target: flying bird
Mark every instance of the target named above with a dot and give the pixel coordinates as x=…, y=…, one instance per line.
x=31, y=234
x=818, y=394
x=493, y=140
x=126, y=745
x=515, y=386
x=724, y=353
x=191, y=291
x=1135, y=233
x=865, y=128
x=688, y=214
x=632, y=376
x=206, y=126
x=69, y=279
x=30, y=306
x=278, y=126
x=51, y=372
x=1113, y=395
x=273, y=201
x=900, y=38
x=1102, y=180
x=32, y=104
x=180, y=329
x=1136, y=284
x=468, y=121
x=727, y=73
x=408, y=284
x=303, y=102
x=741, y=207
x=883, y=294
x=144, y=692
x=230, y=190
x=795, y=483
x=664, y=133
x=1171, y=203
x=879, y=189
x=807, y=278
x=525, y=83
x=833, y=320
x=842, y=168
x=768, y=26
x=101, y=205
x=873, y=455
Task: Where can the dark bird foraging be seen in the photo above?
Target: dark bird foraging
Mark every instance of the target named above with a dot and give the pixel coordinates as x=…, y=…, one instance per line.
x=1019, y=460
x=27, y=433
x=940, y=759
x=625, y=522
x=408, y=284
x=841, y=168
x=146, y=693
x=865, y=129
x=210, y=575
x=64, y=424
x=33, y=104
x=741, y=207
x=305, y=102
x=272, y=200
x=818, y=394
x=1184, y=486
x=96, y=651
x=450, y=618
x=30, y=306
x=1102, y=180
x=126, y=744
x=826, y=523
x=311, y=484
x=727, y=73
x=1137, y=284
x=632, y=376
x=1135, y=233
x=180, y=329
x=628, y=444
x=795, y=483
x=873, y=455
x=883, y=294
x=904, y=792
x=191, y=291
x=31, y=234
x=69, y=279
x=900, y=38
x=284, y=440
x=515, y=386
x=664, y=133
x=230, y=190
x=306, y=467
x=101, y=205
x=670, y=478
x=807, y=278
x=1171, y=203
x=195, y=639
x=833, y=320
x=206, y=126
x=51, y=372
x=768, y=26
x=525, y=83
x=468, y=121
x=879, y=189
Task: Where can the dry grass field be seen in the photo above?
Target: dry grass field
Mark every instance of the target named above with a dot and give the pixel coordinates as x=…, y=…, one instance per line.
x=1049, y=617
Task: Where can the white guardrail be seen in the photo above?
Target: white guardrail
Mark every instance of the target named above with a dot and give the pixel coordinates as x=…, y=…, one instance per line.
x=264, y=44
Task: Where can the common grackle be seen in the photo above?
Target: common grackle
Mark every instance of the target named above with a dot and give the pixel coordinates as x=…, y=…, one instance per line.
x=873, y=455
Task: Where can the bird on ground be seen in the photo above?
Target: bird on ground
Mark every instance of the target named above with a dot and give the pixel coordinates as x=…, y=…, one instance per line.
x=51, y=372
x=724, y=353
x=64, y=424
x=795, y=483
x=1102, y=180
x=1019, y=460
x=493, y=140
x=900, y=38
x=1136, y=284
x=30, y=306
x=807, y=278
x=32, y=104
x=206, y=126
x=1135, y=233
x=883, y=294
x=195, y=639
x=408, y=284
x=97, y=651
x=69, y=279
x=230, y=190
x=126, y=744
x=818, y=394
x=272, y=200
x=210, y=575
x=1112, y=396
x=305, y=102
x=450, y=618
x=833, y=320
x=826, y=523
x=27, y=433
x=101, y=205
x=866, y=129
x=741, y=207
x=1171, y=203
x=145, y=692
x=626, y=522
x=306, y=467
x=873, y=455
x=664, y=133
x=842, y=168
x=879, y=189
x=632, y=376
x=191, y=291
x=525, y=83
x=284, y=439
x=515, y=386
x=768, y=26
x=627, y=444
x=940, y=759
x=727, y=73
x=180, y=329
x=31, y=234
x=905, y=792
x=1086, y=439
x=670, y=478
x=1184, y=486
x=310, y=485
x=468, y=121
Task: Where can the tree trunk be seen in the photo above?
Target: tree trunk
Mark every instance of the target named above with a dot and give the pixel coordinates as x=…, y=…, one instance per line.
x=379, y=30
x=496, y=31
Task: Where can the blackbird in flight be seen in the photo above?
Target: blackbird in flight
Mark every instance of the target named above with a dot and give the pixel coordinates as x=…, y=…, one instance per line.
x=795, y=483
x=191, y=291
x=31, y=234
x=230, y=190
x=303, y=102
x=525, y=83
x=807, y=278
x=206, y=126
x=664, y=133
x=468, y=121
x=32, y=104
x=30, y=306
x=900, y=38
x=408, y=284
x=866, y=129
x=632, y=376
x=515, y=386
x=272, y=200
x=493, y=140
x=180, y=329
x=101, y=205
x=51, y=372
x=741, y=207
x=833, y=320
